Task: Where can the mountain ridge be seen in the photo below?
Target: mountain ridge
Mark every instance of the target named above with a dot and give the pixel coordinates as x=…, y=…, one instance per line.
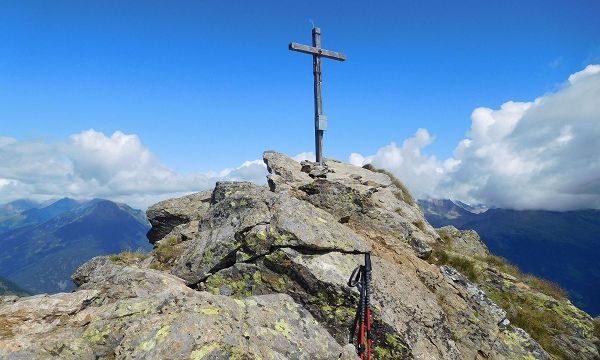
x=41, y=252
x=561, y=246
x=8, y=287
x=248, y=271
x=15, y=207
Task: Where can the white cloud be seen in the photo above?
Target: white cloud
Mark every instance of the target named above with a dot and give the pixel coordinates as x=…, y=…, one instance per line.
x=307, y=155
x=255, y=171
x=420, y=172
x=585, y=73
x=91, y=164
x=543, y=154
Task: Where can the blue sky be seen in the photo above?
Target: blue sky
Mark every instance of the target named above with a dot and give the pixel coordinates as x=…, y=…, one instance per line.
x=207, y=85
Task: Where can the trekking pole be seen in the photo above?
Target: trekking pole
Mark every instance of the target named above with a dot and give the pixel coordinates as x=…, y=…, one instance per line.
x=368, y=273
x=361, y=279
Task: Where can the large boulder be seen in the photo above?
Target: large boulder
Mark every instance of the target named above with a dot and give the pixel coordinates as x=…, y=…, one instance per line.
x=168, y=214
x=246, y=221
x=466, y=242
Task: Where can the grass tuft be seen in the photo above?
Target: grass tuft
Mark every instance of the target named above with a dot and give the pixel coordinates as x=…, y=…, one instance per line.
x=544, y=286
x=523, y=308
x=420, y=224
x=462, y=264
x=445, y=235
x=501, y=264
x=128, y=257
x=402, y=193
x=166, y=250
x=523, y=312
x=597, y=327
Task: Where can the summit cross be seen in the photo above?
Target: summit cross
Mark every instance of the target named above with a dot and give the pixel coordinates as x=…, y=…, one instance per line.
x=317, y=53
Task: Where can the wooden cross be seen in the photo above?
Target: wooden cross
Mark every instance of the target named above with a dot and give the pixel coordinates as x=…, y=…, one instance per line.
x=317, y=53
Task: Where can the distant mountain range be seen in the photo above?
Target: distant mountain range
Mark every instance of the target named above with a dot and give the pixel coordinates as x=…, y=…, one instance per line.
x=560, y=246
x=44, y=243
x=8, y=287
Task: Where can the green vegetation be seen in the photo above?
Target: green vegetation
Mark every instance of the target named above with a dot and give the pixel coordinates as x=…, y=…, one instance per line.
x=167, y=250
x=524, y=309
x=128, y=257
x=446, y=237
x=539, y=321
x=443, y=255
x=501, y=264
x=420, y=225
x=403, y=194
x=464, y=264
x=155, y=265
x=542, y=285
x=597, y=327
x=392, y=347
x=545, y=286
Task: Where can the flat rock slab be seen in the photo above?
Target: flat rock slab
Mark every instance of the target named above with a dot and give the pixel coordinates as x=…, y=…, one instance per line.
x=175, y=324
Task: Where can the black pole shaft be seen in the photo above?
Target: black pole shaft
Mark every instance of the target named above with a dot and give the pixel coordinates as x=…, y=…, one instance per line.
x=368, y=274
x=316, y=42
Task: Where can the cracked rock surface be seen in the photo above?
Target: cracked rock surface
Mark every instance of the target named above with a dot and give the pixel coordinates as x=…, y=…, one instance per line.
x=260, y=272
x=128, y=312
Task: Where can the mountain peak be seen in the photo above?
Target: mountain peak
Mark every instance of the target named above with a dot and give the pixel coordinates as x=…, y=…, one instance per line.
x=270, y=264
x=16, y=207
x=22, y=204
x=43, y=246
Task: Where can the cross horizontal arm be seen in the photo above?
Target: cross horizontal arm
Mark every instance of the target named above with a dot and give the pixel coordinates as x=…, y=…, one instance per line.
x=317, y=51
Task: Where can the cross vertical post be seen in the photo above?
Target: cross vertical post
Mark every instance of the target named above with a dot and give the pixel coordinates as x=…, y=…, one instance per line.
x=316, y=42
x=317, y=53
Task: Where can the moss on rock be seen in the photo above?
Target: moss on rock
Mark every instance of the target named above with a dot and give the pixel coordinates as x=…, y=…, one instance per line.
x=128, y=257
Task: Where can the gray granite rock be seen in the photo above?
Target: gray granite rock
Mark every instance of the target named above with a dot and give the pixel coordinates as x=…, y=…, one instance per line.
x=466, y=242
x=126, y=312
x=166, y=215
x=260, y=272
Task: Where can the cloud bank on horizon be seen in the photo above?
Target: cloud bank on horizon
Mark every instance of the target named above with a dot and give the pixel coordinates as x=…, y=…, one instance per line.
x=90, y=164
x=543, y=154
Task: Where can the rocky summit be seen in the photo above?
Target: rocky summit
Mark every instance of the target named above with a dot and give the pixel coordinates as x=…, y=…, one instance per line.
x=260, y=272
